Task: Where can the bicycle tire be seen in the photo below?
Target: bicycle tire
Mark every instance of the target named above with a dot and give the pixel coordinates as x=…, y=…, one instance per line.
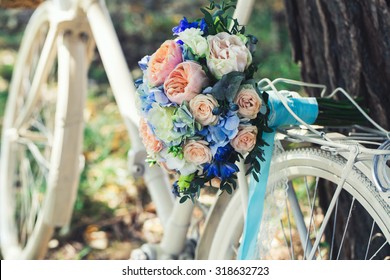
x=309, y=162
x=40, y=165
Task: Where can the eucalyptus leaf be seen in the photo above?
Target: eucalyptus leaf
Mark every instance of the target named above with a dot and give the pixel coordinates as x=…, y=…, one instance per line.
x=255, y=176
x=227, y=87
x=183, y=199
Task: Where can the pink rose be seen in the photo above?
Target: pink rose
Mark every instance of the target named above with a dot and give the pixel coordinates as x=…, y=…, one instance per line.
x=151, y=143
x=197, y=152
x=227, y=53
x=245, y=139
x=185, y=82
x=162, y=62
x=248, y=102
x=201, y=107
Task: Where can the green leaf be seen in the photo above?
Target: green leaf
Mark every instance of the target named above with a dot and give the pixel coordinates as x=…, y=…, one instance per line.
x=249, y=171
x=227, y=87
x=209, y=21
x=255, y=176
x=183, y=199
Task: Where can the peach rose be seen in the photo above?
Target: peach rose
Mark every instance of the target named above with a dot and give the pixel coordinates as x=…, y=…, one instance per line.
x=151, y=143
x=248, y=102
x=197, y=152
x=201, y=107
x=185, y=82
x=216, y=182
x=227, y=53
x=162, y=62
x=245, y=139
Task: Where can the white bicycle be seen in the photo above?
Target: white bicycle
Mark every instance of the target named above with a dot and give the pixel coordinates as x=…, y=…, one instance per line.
x=41, y=160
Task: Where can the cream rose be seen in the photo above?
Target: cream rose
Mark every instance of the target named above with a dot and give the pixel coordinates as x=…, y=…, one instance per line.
x=185, y=82
x=201, y=107
x=197, y=152
x=152, y=144
x=245, y=139
x=193, y=38
x=248, y=102
x=227, y=53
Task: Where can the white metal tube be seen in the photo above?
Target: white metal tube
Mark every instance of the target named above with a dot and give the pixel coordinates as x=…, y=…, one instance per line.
x=114, y=61
x=243, y=11
x=162, y=197
x=243, y=186
x=175, y=233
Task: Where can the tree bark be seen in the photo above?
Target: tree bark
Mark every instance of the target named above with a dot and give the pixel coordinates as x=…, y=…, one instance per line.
x=345, y=44
x=20, y=3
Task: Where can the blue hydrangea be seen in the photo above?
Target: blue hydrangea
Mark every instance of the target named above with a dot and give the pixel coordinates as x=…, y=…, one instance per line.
x=224, y=131
x=143, y=63
x=148, y=96
x=184, y=123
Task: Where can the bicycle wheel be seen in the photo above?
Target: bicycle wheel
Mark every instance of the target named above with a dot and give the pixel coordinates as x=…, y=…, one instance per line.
x=41, y=139
x=305, y=173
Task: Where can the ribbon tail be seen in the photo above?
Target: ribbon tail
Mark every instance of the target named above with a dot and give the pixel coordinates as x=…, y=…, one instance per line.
x=256, y=200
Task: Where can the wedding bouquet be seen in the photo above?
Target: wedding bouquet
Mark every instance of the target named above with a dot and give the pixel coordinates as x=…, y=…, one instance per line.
x=201, y=110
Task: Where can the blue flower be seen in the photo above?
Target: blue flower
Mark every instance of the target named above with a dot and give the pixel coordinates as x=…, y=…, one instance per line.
x=223, y=153
x=175, y=189
x=148, y=96
x=183, y=25
x=222, y=170
x=143, y=63
x=224, y=131
x=203, y=26
x=221, y=167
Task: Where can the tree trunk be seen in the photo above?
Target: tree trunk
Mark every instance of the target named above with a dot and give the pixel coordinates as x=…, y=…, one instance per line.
x=20, y=3
x=345, y=44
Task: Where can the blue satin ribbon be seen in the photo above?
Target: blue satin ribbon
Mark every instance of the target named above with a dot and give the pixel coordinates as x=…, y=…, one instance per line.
x=307, y=110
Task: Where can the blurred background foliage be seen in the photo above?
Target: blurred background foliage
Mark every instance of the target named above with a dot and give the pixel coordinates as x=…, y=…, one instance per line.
x=113, y=214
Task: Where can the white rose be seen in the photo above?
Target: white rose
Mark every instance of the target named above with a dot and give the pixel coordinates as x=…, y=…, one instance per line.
x=227, y=53
x=192, y=37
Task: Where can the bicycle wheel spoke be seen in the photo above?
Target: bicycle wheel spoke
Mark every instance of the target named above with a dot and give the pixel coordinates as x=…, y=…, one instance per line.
x=334, y=229
x=290, y=230
x=31, y=189
x=346, y=227
x=285, y=238
x=36, y=153
x=44, y=64
x=380, y=248
x=311, y=206
x=369, y=239
x=25, y=200
x=33, y=137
